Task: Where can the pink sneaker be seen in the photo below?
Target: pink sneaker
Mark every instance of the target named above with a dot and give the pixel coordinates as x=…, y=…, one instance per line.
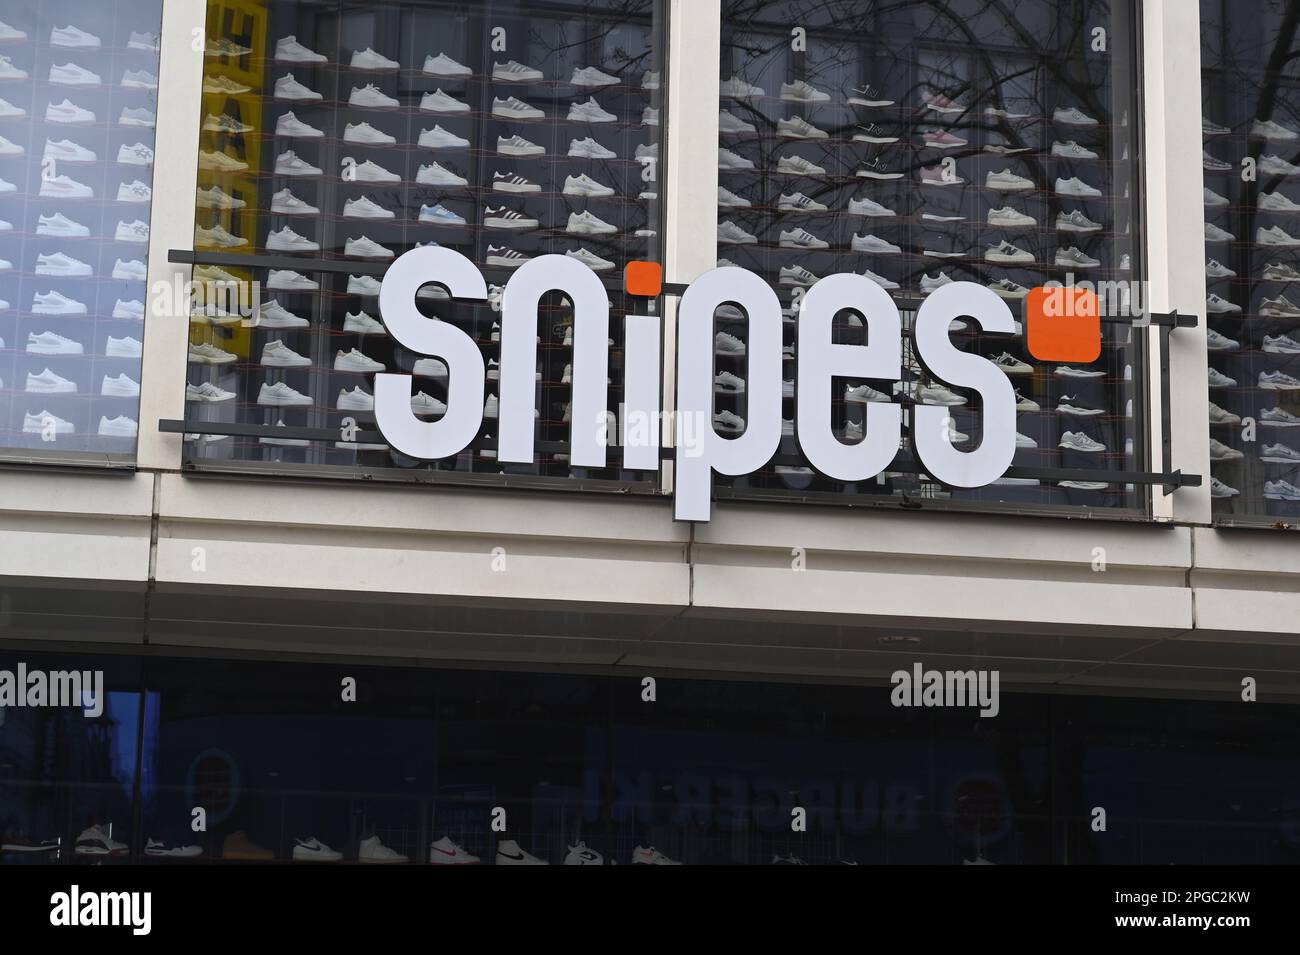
x=942, y=139
x=941, y=104
x=935, y=176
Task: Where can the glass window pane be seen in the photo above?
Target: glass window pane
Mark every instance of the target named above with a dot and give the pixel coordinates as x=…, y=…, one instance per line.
x=922, y=144
x=342, y=134
x=78, y=104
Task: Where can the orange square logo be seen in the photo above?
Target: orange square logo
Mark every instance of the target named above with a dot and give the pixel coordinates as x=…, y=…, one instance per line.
x=1063, y=324
x=645, y=279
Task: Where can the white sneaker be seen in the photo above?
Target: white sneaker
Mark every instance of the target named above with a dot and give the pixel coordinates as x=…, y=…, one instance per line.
x=929, y=284
x=1072, y=117
x=286, y=87
x=1272, y=131
x=731, y=124
x=59, y=263
x=206, y=354
x=358, y=399
x=60, y=225
x=220, y=162
x=585, y=223
x=1078, y=441
x=581, y=855
x=797, y=202
x=801, y=239
x=289, y=125
x=354, y=361
x=446, y=852
x=367, y=135
x=1217, y=305
x=589, y=112
x=590, y=259
x=1214, y=234
x=48, y=383
x=10, y=34
x=70, y=74
x=56, y=303
x=286, y=203
x=288, y=280
x=368, y=59
x=1281, y=491
x=10, y=72
x=136, y=231
x=362, y=324
x=514, y=72
x=1072, y=150
x=367, y=172
x=43, y=423
x=1075, y=221
x=514, y=108
x=518, y=146
x=1277, y=202
x=287, y=240
x=440, y=102
x=729, y=160
x=274, y=315
x=67, y=113
x=797, y=276
x=1275, y=165
x=444, y=66
x=371, y=97
x=729, y=200
x=591, y=77
x=280, y=395
x=134, y=192
x=1213, y=199
x=137, y=155
x=1006, y=253
x=373, y=852
x=139, y=80
x=365, y=208
x=874, y=245
x=1011, y=365
x=435, y=174
x=1273, y=235
x=439, y=138
x=1005, y=288
x=119, y=386
x=802, y=92
x=1074, y=258
x=365, y=248
x=1007, y=181
x=589, y=149
x=64, y=187
x=1009, y=218
x=1075, y=186
x=288, y=163
x=366, y=285
x=276, y=354
x=48, y=343
x=289, y=50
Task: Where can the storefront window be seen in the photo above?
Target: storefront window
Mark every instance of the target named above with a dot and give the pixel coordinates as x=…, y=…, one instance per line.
x=1251, y=126
x=78, y=102
x=925, y=143
x=343, y=135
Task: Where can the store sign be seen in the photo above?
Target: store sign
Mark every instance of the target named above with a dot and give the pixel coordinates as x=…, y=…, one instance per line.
x=699, y=451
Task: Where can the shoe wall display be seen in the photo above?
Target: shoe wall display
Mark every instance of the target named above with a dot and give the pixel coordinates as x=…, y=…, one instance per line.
x=500, y=131
x=958, y=143
x=1252, y=241
x=78, y=101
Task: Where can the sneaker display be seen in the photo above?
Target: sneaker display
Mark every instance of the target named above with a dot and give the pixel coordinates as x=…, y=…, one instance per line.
x=1214, y=269
x=1281, y=491
x=276, y=354
x=801, y=239
x=1005, y=288
x=1273, y=235
x=1078, y=441
x=1277, y=381
x=797, y=202
x=1278, y=418
x=288, y=163
x=582, y=185
x=518, y=146
x=1218, y=379
x=435, y=174
x=1277, y=272
x=1072, y=150
x=1076, y=187
x=1214, y=234
x=1007, y=181
x=290, y=126
x=365, y=248
x=372, y=851
x=929, y=284
x=731, y=161
x=274, y=315
x=440, y=102
x=354, y=361
x=1280, y=307
x=731, y=234
x=366, y=285
x=731, y=124
x=444, y=66
x=136, y=231
x=96, y=840
x=1006, y=253
x=446, y=852
x=369, y=96
x=119, y=386
x=55, y=303
x=503, y=218
x=586, y=149
x=1075, y=259
x=797, y=276
x=1072, y=117
x=1009, y=218
x=1213, y=164
x=70, y=74
x=43, y=423
x=139, y=80
x=58, y=263
x=286, y=203
x=64, y=187
x=505, y=258
x=1275, y=165
x=368, y=59
x=206, y=354
x=737, y=88
x=224, y=86
x=1068, y=371
x=286, y=87
x=1221, y=452
x=584, y=223
x=218, y=237
x=589, y=112
x=362, y=324
x=1277, y=202
x=158, y=849
x=280, y=395
x=207, y=393
x=1075, y=221
x=367, y=135
x=515, y=72
x=60, y=225
x=798, y=166
x=216, y=198
x=367, y=171
x=1012, y=365
x=1219, y=415
x=940, y=103
x=590, y=259
x=48, y=343
x=1213, y=200
x=47, y=382
x=874, y=245
x=1211, y=128
x=225, y=48
x=440, y=215
x=799, y=128
x=869, y=208
x=135, y=191
x=1272, y=131
x=289, y=50
x=1215, y=341
x=581, y=855
x=1277, y=454
x=365, y=208
x=509, y=853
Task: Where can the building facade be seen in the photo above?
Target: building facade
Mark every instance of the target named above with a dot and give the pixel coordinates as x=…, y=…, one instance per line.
x=305, y=634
